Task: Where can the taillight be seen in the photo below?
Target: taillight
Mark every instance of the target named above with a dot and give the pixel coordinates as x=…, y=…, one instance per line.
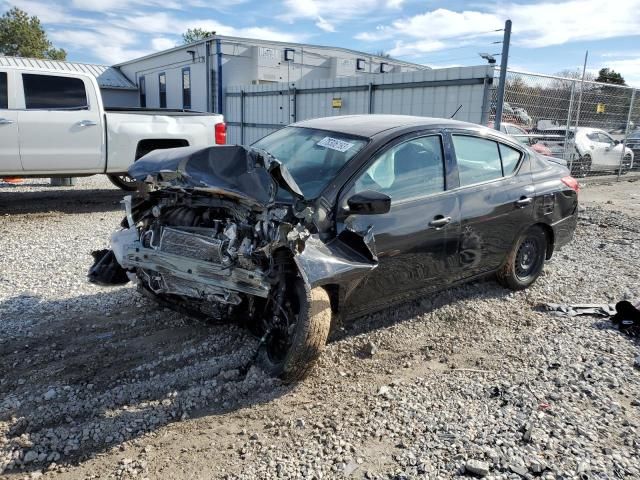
x=571, y=182
x=221, y=133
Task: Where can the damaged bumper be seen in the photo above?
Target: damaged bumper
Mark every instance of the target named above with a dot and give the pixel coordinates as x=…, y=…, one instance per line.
x=211, y=230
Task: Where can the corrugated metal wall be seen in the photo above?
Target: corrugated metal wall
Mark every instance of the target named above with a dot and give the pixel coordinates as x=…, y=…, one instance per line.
x=253, y=111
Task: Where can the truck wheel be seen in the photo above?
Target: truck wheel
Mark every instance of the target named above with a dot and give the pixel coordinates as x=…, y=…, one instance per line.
x=525, y=261
x=123, y=182
x=291, y=353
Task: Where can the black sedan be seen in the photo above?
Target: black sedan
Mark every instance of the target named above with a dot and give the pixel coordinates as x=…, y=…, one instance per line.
x=337, y=216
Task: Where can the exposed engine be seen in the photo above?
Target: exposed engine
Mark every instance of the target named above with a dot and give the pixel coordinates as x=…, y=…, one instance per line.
x=205, y=247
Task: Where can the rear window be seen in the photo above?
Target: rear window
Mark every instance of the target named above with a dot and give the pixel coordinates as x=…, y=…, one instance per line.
x=482, y=160
x=53, y=92
x=4, y=93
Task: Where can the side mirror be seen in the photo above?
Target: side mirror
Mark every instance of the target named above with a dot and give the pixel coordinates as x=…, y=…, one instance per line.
x=616, y=142
x=369, y=202
x=533, y=141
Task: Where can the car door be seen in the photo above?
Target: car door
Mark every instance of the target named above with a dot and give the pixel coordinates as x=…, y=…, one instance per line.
x=9, y=147
x=60, y=125
x=612, y=154
x=496, y=199
x=417, y=240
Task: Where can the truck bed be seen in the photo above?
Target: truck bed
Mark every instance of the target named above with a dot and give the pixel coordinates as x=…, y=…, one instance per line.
x=171, y=112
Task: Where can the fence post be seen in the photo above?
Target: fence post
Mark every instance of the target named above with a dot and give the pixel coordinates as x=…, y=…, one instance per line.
x=370, y=104
x=569, y=158
x=626, y=133
x=241, y=117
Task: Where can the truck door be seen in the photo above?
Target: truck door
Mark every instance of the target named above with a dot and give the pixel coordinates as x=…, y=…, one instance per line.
x=60, y=126
x=9, y=150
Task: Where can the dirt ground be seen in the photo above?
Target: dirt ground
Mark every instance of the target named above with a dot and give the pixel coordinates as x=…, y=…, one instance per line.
x=101, y=383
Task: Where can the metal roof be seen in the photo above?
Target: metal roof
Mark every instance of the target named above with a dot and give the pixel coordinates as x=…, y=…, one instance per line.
x=108, y=77
x=255, y=41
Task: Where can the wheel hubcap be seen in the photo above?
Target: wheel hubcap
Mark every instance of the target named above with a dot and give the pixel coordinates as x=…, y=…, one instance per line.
x=526, y=259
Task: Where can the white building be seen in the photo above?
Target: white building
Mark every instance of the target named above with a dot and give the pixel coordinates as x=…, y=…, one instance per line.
x=177, y=78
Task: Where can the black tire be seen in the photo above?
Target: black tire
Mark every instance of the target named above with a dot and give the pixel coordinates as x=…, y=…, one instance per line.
x=123, y=182
x=306, y=341
x=626, y=164
x=581, y=166
x=525, y=261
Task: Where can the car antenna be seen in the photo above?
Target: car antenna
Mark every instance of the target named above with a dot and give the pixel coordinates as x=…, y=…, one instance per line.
x=454, y=113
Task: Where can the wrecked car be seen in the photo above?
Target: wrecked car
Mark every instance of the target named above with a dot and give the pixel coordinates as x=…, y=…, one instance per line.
x=332, y=218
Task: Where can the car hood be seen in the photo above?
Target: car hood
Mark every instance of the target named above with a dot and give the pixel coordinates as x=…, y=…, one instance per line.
x=249, y=176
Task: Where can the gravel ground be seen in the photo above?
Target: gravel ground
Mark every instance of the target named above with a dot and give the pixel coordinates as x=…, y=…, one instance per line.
x=100, y=383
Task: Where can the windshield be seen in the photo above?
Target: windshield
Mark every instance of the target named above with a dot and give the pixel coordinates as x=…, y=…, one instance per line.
x=313, y=157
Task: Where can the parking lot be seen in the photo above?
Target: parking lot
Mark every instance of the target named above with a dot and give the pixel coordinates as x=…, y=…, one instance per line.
x=101, y=383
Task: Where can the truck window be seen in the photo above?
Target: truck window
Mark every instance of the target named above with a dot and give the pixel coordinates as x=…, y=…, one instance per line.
x=186, y=88
x=143, y=92
x=4, y=93
x=53, y=92
x=162, y=81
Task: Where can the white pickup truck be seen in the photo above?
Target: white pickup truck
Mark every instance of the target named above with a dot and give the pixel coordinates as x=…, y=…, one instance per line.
x=53, y=123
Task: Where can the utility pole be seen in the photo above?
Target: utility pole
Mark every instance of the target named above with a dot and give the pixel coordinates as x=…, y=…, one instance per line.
x=503, y=74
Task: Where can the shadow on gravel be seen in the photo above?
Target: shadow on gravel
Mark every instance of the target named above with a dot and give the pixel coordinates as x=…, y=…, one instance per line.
x=91, y=374
x=64, y=201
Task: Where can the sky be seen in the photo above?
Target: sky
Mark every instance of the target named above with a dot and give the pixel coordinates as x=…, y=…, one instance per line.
x=547, y=37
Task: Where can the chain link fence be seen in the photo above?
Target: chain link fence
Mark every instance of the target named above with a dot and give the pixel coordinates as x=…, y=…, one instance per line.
x=594, y=127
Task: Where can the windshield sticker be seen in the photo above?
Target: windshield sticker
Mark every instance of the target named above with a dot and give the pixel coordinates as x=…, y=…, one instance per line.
x=335, y=144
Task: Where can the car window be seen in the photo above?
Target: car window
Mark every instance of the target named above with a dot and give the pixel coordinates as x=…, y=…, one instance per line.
x=594, y=137
x=53, y=92
x=410, y=169
x=478, y=159
x=604, y=138
x=510, y=158
x=4, y=93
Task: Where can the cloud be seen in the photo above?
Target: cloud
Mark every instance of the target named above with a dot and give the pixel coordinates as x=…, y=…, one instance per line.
x=162, y=43
x=534, y=24
x=322, y=24
x=328, y=14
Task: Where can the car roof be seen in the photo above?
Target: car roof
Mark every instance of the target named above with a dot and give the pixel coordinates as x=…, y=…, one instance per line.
x=372, y=124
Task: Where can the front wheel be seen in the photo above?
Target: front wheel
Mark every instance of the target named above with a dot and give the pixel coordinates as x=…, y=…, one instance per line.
x=290, y=348
x=626, y=164
x=525, y=261
x=124, y=182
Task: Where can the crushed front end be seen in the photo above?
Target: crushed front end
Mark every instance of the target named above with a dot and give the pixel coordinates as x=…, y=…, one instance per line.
x=208, y=237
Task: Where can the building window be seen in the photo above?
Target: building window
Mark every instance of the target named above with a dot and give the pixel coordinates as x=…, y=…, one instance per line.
x=186, y=88
x=4, y=92
x=162, y=82
x=143, y=92
x=360, y=62
x=289, y=54
x=384, y=67
x=49, y=92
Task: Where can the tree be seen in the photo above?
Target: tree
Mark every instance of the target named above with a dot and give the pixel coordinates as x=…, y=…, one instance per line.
x=23, y=36
x=381, y=53
x=607, y=75
x=195, y=34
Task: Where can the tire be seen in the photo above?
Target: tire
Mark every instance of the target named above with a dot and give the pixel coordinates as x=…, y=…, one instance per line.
x=626, y=164
x=123, y=182
x=581, y=166
x=307, y=340
x=525, y=261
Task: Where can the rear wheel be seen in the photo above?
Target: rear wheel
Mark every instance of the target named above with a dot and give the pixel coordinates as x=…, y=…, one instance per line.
x=581, y=166
x=297, y=334
x=525, y=261
x=124, y=182
x=626, y=164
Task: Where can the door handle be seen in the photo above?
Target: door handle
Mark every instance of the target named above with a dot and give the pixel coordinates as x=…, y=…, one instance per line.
x=5, y=121
x=439, y=221
x=86, y=123
x=524, y=201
